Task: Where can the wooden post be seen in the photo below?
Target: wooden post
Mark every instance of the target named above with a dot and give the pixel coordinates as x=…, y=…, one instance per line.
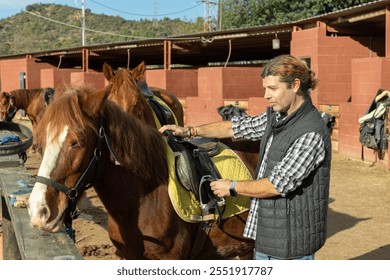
x=10, y=245
x=387, y=32
x=167, y=55
x=85, y=59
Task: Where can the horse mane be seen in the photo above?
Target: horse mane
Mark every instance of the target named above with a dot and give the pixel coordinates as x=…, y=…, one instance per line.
x=123, y=79
x=125, y=92
x=139, y=148
x=24, y=96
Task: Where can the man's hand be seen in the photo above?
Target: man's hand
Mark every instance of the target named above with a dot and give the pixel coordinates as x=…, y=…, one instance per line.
x=221, y=187
x=176, y=130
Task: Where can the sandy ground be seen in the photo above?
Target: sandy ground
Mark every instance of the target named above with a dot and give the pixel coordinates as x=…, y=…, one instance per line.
x=358, y=220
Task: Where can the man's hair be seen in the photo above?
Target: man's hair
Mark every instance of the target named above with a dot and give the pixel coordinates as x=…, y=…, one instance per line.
x=289, y=68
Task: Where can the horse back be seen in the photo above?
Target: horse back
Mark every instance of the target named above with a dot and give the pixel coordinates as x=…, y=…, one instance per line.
x=172, y=101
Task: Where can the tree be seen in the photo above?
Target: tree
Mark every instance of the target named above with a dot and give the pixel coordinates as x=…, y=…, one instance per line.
x=245, y=13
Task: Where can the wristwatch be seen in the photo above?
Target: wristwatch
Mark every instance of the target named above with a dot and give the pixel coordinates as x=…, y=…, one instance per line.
x=232, y=189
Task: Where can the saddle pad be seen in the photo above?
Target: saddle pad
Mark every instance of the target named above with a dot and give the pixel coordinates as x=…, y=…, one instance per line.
x=230, y=167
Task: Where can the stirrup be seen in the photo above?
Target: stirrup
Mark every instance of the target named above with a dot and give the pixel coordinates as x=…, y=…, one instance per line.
x=214, y=201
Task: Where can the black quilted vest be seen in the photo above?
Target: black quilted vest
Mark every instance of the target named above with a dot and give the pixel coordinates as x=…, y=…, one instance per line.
x=295, y=225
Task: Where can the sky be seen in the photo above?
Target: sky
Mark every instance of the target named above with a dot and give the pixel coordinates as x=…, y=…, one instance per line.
x=187, y=10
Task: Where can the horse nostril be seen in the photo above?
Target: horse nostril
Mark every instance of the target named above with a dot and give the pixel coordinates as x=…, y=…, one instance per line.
x=44, y=212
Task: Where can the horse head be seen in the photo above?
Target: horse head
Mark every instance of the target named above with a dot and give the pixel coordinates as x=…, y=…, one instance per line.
x=138, y=75
x=139, y=72
x=68, y=135
x=7, y=107
x=126, y=93
x=84, y=137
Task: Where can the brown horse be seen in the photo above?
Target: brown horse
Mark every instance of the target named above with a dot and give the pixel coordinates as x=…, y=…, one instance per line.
x=126, y=93
x=125, y=96
x=84, y=136
x=32, y=101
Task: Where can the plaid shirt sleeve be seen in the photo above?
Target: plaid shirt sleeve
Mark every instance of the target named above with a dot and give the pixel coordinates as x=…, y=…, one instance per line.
x=302, y=157
x=250, y=128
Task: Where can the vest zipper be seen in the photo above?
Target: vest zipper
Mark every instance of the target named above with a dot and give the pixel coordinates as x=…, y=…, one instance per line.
x=288, y=226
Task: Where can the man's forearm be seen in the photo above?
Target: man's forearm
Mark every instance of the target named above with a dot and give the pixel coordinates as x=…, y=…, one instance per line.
x=221, y=129
x=261, y=188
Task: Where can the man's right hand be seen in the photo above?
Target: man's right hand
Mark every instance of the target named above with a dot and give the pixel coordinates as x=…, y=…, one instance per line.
x=176, y=130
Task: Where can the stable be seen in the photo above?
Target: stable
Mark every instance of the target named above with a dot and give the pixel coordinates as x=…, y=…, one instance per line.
x=349, y=50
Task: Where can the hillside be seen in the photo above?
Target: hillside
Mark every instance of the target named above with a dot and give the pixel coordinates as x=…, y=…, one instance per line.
x=24, y=32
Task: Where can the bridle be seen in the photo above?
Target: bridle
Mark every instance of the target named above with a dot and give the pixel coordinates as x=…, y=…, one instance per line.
x=8, y=116
x=95, y=165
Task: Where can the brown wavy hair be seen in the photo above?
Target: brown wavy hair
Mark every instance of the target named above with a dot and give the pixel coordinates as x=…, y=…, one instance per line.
x=289, y=68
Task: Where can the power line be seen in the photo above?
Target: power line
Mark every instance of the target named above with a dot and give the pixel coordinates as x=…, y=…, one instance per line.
x=87, y=29
x=143, y=15
x=101, y=32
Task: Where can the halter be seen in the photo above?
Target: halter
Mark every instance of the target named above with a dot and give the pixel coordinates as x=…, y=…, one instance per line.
x=9, y=115
x=82, y=184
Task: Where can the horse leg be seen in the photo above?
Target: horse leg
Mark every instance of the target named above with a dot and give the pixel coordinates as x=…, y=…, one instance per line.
x=226, y=240
x=165, y=236
x=34, y=145
x=125, y=246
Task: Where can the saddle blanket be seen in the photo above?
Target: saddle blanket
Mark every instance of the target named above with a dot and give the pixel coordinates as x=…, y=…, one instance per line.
x=230, y=167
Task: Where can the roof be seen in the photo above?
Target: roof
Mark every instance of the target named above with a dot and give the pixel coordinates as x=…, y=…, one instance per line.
x=244, y=46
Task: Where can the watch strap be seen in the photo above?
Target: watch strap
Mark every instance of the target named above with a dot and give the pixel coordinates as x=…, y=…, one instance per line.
x=232, y=189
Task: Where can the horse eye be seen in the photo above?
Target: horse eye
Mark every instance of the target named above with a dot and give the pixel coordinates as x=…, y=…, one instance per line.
x=74, y=144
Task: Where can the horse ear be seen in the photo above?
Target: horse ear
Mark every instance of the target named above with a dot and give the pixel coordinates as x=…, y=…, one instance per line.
x=6, y=95
x=108, y=72
x=94, y=102
x=139, y=71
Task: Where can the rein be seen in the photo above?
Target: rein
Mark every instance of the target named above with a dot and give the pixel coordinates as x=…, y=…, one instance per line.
x=95, y=165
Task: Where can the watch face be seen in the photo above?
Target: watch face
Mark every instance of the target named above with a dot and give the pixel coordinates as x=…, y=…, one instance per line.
x=233, y=192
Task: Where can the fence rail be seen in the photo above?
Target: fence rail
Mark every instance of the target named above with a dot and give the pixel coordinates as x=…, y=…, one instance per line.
x=20, y=240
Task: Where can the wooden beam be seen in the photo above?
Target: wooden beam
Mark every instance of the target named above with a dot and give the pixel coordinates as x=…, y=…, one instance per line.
x=167, y=55
x=367, y=16
x=387, y=33
x=353, y=31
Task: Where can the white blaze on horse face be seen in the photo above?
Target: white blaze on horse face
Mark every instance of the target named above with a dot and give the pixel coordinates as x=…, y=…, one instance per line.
x=37, y=201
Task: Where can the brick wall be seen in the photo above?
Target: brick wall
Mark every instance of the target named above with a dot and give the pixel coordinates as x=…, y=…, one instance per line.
x=95, y=80
x=55, y=77
x=331, y=58
x=350, y=72
x=157, y=78
x=216, y=85
x=368, y=75
x=9, y=72
x=183, y=83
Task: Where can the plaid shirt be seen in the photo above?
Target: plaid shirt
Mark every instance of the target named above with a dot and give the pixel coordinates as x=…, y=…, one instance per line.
x=306, y=153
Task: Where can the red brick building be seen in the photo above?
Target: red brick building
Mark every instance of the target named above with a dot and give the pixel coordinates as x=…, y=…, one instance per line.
x=348, y=50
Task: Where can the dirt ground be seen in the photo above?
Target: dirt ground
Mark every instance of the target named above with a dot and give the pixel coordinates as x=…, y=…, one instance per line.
x=358, y=219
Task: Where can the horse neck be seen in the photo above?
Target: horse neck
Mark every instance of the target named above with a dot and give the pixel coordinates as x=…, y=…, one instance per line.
x=22, y=98
x=121, y=191
x=135, y=105
x=143, y=152
x=147, y=115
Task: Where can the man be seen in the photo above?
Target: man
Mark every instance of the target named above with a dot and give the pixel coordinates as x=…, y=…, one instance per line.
x=288, y=212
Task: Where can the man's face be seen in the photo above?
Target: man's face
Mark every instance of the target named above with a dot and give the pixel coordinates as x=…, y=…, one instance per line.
x=281, y=98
